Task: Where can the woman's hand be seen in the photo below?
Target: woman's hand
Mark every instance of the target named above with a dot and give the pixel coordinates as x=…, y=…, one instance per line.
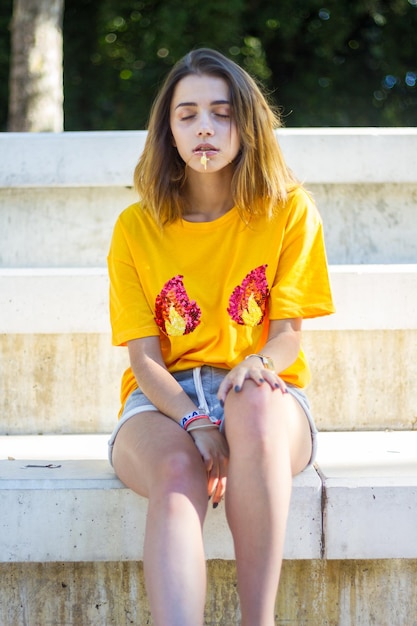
x=212, y=445
x=283, y=346
x=250, y=369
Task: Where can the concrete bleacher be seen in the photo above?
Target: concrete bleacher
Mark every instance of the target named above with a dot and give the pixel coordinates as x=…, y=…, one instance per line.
x=353, y=517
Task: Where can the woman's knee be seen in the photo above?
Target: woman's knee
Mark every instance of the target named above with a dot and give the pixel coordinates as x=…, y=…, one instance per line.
x=256, y=415
x=179, y=479
x=253, y=406
x=180, y=470
x=179, y=464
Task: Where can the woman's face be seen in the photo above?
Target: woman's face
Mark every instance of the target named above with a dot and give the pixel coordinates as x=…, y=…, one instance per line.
x=202, y=123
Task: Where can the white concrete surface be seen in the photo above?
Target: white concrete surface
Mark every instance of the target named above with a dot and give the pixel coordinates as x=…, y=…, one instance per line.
x=57, y=355
x=60, y=194
x=72, y=226
x=366, y=483
x=371, y=297
x=59, y=197
x=368, y=223
x=81, y=512
x=84, y=159
x=371, y=518
x=44, y=377
x=53, y=300
x=54, y=447
x=370, y=494
x=59, y=226
x=108, y=158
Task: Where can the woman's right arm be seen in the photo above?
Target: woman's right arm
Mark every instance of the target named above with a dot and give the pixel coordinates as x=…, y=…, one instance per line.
x=156, y=382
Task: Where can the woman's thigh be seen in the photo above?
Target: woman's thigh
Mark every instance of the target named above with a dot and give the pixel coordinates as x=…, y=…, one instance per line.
x=151, y=450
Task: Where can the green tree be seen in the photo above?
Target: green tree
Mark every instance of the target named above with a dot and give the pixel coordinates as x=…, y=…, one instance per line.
x=6, y=10
x=334, y=63
x=325, y=62
x=128, y=49
x=36, y=87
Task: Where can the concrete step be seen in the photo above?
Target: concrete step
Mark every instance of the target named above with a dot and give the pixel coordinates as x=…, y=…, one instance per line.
x=359, y=503
x=58, y=359
x=83, y=159
x=370, y=494
x=72, y=227
x=60, y=194
x=75, y=300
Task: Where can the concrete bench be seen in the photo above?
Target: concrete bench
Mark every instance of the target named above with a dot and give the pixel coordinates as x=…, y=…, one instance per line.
x=359, y=502
x=92, y=517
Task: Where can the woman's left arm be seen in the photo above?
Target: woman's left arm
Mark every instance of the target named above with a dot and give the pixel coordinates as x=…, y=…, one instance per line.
x=282, y=347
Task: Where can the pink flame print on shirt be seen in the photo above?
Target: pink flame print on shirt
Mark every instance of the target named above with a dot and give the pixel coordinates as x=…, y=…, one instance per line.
x=175, y=313
x=247, y=304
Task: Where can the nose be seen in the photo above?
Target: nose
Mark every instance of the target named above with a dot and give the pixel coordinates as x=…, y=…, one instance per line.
x=205, y=131
x=205, y=128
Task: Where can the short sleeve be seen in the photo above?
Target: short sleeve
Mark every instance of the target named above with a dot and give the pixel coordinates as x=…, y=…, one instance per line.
x=131, y=316
x=301, y=287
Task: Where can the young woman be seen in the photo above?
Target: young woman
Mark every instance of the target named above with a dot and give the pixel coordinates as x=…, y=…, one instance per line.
x=211, y=275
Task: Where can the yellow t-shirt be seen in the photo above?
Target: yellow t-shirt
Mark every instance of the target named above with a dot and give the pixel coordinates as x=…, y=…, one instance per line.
x=209, y=289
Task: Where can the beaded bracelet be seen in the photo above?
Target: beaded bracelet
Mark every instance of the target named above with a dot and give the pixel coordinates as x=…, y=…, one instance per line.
x=196, y=427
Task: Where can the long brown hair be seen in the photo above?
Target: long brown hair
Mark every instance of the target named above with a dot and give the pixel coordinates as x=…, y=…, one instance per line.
x=261, y=177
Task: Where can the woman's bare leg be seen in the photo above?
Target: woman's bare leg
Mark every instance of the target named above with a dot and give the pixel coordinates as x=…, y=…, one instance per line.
x=270, y=441
x=153, y=456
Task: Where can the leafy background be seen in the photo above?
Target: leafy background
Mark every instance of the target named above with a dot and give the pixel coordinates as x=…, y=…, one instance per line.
x=324, y=62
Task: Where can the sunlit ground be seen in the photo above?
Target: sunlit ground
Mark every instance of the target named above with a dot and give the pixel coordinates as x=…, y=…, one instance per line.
x=364, y=454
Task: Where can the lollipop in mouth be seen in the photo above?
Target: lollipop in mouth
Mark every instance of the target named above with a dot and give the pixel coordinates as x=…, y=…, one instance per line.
x=204, y=160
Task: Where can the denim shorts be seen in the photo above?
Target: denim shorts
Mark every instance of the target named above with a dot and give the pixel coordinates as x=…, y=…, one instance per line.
x=201, y=385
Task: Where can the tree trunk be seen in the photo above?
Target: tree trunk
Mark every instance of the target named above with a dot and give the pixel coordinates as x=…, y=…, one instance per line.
x=36, y=74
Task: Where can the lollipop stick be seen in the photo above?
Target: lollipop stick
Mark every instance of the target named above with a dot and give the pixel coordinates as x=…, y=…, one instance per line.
x=204, y=160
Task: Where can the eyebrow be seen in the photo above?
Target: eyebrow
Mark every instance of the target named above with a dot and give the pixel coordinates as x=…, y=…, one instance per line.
x=194, y=104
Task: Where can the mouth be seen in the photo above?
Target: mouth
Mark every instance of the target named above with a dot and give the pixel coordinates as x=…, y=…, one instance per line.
x=205, y=149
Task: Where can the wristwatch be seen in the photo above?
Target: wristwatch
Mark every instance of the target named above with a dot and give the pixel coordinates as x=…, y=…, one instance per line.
x=267, y=362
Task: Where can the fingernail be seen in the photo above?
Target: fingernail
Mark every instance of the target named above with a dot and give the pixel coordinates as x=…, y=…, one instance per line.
x=215, y=505
x=237, y=388
x=222, y=403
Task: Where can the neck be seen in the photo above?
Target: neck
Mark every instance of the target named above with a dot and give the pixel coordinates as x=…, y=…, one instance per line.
x=207, y=197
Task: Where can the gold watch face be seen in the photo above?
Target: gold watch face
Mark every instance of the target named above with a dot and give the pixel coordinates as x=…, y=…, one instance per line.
x=268, y=363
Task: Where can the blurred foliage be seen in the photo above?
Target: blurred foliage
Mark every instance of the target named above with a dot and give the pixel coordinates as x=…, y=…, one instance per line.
x=128, y=48
x=324, y=62
x=333, y=63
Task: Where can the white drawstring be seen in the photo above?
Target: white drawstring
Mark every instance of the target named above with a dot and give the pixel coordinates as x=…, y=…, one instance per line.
x=198, y=383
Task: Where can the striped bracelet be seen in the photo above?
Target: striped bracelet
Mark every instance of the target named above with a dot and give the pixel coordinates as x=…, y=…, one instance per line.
x=197, y=415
